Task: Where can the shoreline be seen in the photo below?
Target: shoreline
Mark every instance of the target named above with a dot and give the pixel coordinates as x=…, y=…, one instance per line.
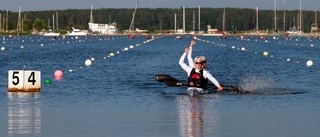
x=186, y=34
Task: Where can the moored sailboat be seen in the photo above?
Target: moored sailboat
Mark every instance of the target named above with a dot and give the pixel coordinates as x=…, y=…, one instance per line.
x=51, y=33
x=76, y=32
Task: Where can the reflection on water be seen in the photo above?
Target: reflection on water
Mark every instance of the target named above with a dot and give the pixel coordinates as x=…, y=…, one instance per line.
x=190, y=116
x=24, y=114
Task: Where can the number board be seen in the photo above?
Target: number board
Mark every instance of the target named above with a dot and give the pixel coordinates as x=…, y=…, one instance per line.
x=24, y=81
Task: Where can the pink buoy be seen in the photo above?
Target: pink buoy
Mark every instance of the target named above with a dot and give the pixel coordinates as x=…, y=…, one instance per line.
x=58, y=75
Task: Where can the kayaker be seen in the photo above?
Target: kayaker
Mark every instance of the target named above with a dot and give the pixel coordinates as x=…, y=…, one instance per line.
x=198, y=76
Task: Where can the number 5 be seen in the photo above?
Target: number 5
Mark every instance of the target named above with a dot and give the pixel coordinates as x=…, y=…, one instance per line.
x=15, y=76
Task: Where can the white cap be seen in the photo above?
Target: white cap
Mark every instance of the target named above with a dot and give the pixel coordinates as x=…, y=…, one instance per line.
x=202, y=58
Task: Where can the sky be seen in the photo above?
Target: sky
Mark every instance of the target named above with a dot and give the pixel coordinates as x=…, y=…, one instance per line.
x=40, y=5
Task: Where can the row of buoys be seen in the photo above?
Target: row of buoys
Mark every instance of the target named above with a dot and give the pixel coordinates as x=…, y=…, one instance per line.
x=88, y=62
x=58, y=74
x=308, y=63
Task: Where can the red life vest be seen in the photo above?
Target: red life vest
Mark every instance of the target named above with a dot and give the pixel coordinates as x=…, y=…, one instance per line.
x=197, y=80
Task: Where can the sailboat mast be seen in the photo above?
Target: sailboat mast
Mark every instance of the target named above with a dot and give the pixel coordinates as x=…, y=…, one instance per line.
x=175, y=22
x=49, y=26
x=133, y=15
x=19, y=20
x=91, y=18
x=184, y=20
x=300, y=18
x=57, y=21
x=199, y=19
x=53, y=22
x=193, y=21
x=7, y=20
x=223, y=19
x=284, y=16
x=257, y=18
x=275, y=15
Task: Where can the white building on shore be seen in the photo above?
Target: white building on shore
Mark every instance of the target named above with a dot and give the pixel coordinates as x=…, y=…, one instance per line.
x=99, y=28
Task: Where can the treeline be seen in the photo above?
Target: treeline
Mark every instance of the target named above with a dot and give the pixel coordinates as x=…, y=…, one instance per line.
x=160, y=19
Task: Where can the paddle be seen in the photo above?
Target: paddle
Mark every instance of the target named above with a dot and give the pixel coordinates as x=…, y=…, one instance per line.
x=163, y=77
x=172, y=82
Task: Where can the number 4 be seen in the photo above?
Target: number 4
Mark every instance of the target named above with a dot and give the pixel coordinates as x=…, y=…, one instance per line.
x=32, y=78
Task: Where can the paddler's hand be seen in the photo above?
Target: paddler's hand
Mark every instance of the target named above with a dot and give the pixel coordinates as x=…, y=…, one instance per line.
x=192, y=43
x=186, y=50
x=220, y=88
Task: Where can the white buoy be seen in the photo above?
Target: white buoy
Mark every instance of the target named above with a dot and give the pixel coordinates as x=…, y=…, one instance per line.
x=3, y=48
x=92, y=59
x=243, y=48
x=309, y=63
x=111, y=54
x=88, y=62
x=265, y=53
x=131, y=47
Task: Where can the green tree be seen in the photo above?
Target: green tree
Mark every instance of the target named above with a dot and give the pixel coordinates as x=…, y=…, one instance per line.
x=39, y=24
x=27, y=24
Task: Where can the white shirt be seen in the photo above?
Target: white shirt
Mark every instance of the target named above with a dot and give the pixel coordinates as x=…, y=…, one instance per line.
x=188, y=69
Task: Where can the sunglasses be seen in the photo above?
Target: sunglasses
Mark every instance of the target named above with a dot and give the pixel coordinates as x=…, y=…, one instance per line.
x=199, y=62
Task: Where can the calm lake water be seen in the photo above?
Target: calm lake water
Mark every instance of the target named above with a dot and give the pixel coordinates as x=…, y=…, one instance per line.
x=118, y=96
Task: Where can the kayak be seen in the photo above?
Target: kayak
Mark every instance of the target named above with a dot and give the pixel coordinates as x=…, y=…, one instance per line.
x=194, y=91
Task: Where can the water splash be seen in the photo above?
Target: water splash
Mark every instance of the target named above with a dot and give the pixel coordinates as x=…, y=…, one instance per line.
x=262, y=85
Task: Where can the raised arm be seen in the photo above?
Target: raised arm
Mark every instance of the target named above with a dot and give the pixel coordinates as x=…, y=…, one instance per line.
x=183, y=65
x=189, y=57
